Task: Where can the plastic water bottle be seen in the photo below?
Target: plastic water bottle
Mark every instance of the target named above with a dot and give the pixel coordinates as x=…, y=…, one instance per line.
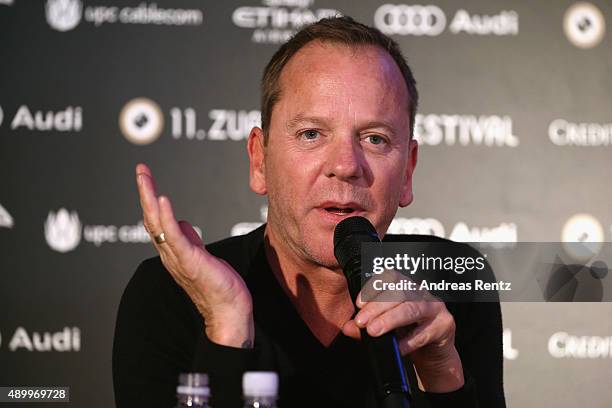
x=193, y=391
x=260, y=389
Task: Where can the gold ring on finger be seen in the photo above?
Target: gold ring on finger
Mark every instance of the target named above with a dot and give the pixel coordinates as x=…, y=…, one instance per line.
x=160, y=239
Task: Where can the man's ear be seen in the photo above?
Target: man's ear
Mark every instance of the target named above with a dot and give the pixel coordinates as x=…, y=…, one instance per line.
x=413, y=153
x=256, y=149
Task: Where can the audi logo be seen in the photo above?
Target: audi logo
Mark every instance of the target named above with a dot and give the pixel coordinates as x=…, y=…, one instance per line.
x=423, y=226
x=410, y=20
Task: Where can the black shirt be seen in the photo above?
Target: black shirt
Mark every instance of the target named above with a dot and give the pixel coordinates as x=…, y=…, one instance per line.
x=160, y=334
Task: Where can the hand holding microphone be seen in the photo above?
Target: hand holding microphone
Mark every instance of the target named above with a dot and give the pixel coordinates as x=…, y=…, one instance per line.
x=425, y=329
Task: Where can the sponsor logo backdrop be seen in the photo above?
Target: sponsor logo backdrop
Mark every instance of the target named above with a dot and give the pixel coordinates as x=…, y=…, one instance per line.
x=515, y=127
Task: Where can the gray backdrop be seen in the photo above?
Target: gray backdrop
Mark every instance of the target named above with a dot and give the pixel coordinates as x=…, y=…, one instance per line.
x=515, y=127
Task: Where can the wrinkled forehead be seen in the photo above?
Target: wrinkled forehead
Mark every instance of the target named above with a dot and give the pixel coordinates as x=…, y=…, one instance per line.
x=329, y=75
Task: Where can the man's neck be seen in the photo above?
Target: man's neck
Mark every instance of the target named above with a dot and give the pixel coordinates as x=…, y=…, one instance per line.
x=298, y=272
x=319, y=294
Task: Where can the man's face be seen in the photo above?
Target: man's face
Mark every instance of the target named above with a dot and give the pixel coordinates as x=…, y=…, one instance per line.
x=338, y=146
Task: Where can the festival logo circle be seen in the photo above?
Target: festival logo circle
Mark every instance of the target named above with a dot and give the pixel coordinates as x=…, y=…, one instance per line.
x=584, y=25
x=141, y=121
x=582, y=237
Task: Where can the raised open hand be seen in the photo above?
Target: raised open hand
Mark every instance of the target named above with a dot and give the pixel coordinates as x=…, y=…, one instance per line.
x=216, y=289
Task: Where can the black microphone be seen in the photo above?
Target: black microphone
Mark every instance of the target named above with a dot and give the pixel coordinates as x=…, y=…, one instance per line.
x=383, y=351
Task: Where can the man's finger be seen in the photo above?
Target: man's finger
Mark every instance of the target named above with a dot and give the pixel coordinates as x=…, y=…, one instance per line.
x=386, y=287
x=190, y=233
x=142, y=168
x=148, y=202
x=350, y=329
x=404, y=314
x=175, y=239
x=420, y=336
x=371, y=310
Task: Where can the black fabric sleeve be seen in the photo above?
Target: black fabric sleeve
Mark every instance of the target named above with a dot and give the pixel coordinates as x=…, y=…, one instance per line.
x=481, y=352
x=160, y=334
x=225, y=366
x=464, y=397
x=479, y=343
x=478, y=340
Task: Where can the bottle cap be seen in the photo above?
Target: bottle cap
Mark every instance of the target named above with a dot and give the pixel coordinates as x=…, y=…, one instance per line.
x=260, y=384
x=193, y=384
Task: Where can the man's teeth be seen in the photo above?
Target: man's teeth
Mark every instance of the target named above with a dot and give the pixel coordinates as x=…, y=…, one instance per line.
x=340, y=210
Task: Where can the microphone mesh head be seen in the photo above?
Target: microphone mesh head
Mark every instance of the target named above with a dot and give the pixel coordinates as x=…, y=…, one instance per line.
x=348, y=236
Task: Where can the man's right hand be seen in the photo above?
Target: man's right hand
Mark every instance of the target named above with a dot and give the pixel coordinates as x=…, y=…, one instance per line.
x=217, y=290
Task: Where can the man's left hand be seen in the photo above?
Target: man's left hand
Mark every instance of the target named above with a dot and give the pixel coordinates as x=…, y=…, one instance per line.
x=425, y=330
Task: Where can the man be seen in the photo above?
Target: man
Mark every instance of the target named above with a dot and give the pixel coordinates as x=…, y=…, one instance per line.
x=338, y=111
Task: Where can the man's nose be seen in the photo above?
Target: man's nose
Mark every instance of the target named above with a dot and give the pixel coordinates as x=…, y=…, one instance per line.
x=345, y=158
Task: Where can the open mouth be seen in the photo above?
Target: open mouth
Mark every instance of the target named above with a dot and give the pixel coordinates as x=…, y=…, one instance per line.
x=339, y=211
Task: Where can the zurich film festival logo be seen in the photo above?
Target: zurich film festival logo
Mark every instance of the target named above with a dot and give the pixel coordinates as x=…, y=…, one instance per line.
x=579, y=278
x=584, y=25
x=63, y=15
x=584, y=229
x=141, y=121
x=465, y=130
x=63, y=230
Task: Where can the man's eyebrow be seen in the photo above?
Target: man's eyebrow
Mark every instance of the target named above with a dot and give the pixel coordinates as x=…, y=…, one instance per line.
x=301, y=118
x=323, y=122
x=379, y=124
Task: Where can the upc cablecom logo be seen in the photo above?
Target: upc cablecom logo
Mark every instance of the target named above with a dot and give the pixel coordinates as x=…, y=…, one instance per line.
x=63, y=15
x=63, y=230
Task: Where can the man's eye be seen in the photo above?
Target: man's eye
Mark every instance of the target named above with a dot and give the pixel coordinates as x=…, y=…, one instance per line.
x=375, y=139
x=310, y=134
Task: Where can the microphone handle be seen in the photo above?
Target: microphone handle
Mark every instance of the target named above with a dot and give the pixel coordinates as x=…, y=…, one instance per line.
x=383, y=354
x=389, y=373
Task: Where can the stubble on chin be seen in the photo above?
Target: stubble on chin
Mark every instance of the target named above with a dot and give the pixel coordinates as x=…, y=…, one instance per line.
x=302, y=241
